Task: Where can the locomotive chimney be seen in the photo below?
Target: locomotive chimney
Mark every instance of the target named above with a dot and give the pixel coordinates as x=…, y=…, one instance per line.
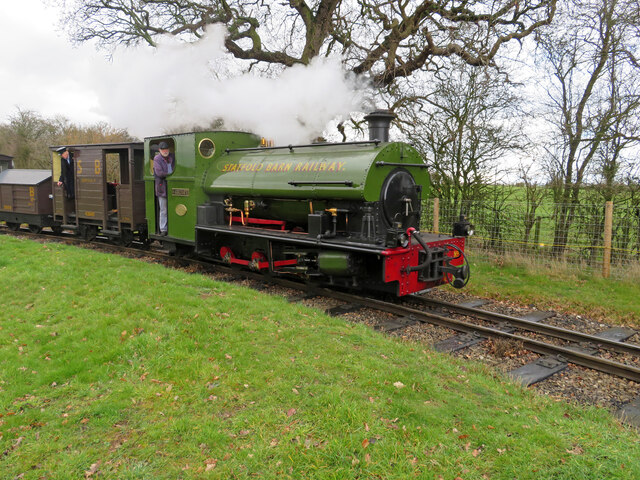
x=379, y=122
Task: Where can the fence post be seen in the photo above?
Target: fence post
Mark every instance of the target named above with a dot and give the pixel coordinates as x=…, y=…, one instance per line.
x=436, y=215
x=608, y=228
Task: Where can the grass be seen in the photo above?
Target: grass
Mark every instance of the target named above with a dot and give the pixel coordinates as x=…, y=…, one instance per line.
x=556, y=286
x=112, y=368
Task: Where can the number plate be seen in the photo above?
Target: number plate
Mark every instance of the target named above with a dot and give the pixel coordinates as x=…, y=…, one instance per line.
x=180, y=192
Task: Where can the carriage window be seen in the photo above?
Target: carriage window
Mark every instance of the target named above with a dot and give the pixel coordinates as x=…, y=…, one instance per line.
x=206, y=148
x=113, y=168
x=117, y=167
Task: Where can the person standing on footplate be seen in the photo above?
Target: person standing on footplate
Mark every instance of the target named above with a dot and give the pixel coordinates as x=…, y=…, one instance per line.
x=163, y=165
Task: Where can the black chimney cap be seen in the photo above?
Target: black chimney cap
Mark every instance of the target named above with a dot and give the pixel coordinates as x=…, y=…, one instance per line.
x=380, y=115
x=379, y=122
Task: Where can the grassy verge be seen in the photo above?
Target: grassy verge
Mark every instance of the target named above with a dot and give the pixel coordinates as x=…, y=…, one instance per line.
x=557, y=287
x=111, y=368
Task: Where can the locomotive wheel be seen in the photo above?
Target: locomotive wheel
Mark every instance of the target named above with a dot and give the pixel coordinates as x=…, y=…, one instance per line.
x=13, y=226
x=57, y=230
x=35, y=228
x=256, y=259
x=226, y=254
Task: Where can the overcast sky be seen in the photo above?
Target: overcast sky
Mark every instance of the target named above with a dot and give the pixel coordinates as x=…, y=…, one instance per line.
x=39, y=68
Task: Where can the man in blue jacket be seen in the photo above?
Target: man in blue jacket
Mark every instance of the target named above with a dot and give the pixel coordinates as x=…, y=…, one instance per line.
x=163, y=164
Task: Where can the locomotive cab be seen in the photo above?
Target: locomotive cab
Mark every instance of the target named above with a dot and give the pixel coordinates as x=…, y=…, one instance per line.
x=154, y=149
x=194, y=153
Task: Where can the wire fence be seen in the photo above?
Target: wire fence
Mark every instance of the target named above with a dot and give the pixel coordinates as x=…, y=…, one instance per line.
x=597, y=238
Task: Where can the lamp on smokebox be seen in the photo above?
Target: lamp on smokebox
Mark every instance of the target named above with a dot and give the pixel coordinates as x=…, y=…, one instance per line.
x=462, y=228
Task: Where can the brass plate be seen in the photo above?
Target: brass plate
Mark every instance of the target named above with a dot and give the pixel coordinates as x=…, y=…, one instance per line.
x=181, y=209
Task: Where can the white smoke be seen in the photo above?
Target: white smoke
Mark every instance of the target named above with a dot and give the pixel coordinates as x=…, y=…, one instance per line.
x=182, y=85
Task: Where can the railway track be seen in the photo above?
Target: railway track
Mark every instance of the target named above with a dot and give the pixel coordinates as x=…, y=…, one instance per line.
x=579, y=344
x=558, y=346
x=502, y=330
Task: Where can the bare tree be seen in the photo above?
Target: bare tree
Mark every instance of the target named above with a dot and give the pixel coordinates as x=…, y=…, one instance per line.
x=27, y=137
x=464, y=126
x=535, y=194
x=615, y=155
x=386, y=39
x=588, y=51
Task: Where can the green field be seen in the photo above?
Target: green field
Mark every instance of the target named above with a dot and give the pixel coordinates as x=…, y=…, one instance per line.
x=114, y=368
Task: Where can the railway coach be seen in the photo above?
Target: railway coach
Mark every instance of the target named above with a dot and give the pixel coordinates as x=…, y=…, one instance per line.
x=25, y=199
x=108, y=195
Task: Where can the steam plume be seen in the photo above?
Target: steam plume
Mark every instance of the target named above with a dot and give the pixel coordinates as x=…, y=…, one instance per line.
x=188, y=85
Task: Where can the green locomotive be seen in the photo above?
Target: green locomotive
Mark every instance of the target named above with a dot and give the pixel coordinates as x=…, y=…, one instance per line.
x=342, y=214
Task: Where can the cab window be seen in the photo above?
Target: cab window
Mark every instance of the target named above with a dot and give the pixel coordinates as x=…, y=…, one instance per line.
x=154, y=149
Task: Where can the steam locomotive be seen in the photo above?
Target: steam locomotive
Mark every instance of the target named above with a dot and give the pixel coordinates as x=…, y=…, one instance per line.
x=343, y=214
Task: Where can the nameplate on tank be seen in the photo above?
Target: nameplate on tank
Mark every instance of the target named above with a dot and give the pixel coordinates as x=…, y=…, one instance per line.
x=180, y=192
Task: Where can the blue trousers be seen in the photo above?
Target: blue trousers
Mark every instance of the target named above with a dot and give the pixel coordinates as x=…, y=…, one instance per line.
x=162, y=203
